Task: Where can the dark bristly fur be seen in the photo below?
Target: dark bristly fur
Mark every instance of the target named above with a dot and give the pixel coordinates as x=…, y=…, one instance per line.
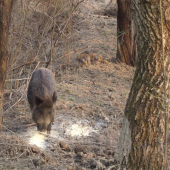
x=42, y=96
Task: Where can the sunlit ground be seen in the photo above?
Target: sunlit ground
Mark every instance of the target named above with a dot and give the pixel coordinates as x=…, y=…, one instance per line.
x=38, y=139
x=77, y=130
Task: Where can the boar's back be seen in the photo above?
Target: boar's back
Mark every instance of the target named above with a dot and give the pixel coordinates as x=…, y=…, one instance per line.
x=42, y=86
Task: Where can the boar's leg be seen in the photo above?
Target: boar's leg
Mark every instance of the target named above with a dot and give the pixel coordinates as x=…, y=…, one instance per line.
x=49, y=128
x=54, y=97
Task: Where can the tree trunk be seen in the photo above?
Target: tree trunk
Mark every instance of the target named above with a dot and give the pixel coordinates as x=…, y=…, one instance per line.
x=126, y=42
x=142, y=144
x=5, y=14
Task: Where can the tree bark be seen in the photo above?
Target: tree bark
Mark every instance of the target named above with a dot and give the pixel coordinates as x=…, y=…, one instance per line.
x=142, y=144
x=126, y=42
x=5, y=15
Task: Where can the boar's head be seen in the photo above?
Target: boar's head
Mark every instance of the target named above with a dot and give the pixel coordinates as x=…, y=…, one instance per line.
x=43, y=112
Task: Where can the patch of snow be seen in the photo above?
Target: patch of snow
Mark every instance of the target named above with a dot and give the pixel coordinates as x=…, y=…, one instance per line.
x=61, y=131
x=79, y=130
x=38, y=139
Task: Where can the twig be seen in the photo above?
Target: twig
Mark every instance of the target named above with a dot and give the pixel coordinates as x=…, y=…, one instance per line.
x=72, y=52
x=13, y=104
x=75, y=6
x=17, y=79
x=28, y=125
x=29, y=63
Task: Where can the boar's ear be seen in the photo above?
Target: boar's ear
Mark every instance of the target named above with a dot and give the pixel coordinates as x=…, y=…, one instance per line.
x=38, y=101
x=54, y=96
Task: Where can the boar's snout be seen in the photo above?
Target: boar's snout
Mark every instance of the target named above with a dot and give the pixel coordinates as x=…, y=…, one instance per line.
x=43, y=127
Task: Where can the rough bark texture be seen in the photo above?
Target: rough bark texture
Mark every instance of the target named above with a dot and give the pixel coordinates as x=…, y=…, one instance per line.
x=5, y=13
x=145, y=109
x=126, y=43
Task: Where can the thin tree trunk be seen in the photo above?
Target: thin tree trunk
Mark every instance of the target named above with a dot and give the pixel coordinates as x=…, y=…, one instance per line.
x=142, y=144
x=126, y=43
x=5, y=13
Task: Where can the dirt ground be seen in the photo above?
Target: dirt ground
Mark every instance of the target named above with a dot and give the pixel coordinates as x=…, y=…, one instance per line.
x=90, y=106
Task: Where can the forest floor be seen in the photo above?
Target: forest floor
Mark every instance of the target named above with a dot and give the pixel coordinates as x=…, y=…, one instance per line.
x=90, y=106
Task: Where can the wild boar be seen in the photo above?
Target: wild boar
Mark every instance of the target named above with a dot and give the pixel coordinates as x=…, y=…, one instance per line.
x=42, y=96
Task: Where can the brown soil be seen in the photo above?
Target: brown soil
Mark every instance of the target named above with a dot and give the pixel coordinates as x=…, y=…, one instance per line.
x=91, y=95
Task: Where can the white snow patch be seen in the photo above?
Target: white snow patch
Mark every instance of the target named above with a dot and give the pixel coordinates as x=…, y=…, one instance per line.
x=36, y=138
x=79, y=130
x=61, y=131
